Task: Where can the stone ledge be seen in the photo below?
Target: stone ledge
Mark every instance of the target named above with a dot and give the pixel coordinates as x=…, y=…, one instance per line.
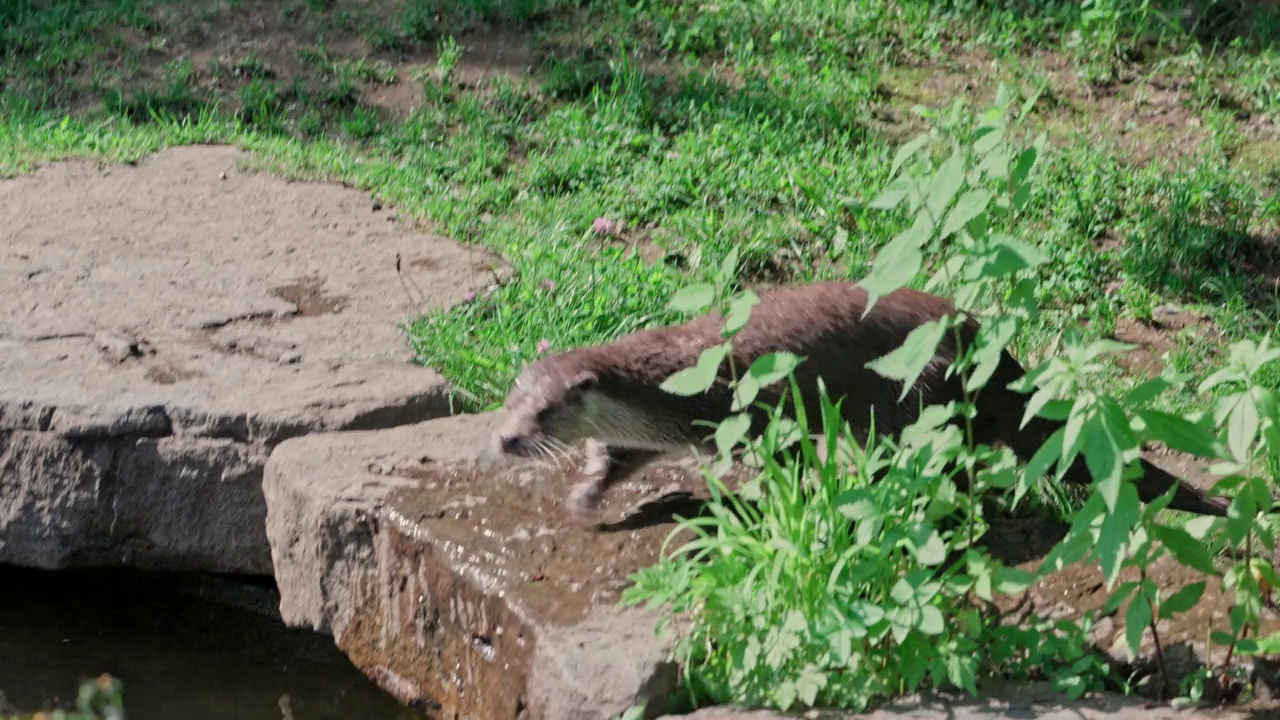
x=462, y=591
x=164, y=325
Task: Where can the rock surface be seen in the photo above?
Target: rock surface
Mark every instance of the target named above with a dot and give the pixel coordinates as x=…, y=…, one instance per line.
x=463, y=590
x=467, y=591
x=164, y=325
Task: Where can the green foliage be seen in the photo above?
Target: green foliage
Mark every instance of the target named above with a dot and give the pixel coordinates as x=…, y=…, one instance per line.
x=830, y=578
x=99, y=699
x=750, y=135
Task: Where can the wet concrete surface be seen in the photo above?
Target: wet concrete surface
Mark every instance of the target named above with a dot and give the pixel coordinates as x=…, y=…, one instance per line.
x=491, y=565
x=183, y=649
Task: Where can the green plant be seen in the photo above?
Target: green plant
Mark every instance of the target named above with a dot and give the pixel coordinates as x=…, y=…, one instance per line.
x=853, y=586
x=448, y=53
x=99, y=699
x=839, y=557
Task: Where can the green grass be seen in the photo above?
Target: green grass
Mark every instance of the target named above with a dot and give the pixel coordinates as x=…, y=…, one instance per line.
x=761, y=126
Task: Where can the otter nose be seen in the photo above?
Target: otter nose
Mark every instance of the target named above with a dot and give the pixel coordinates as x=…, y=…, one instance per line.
x=508, y=442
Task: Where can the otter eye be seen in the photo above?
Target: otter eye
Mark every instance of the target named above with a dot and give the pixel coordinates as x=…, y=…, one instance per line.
x=543, y=414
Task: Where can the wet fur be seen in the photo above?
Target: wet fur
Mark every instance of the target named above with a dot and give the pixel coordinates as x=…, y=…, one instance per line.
x=611, y=392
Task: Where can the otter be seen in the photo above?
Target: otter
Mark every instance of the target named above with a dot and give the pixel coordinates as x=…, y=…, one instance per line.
x=609, y=395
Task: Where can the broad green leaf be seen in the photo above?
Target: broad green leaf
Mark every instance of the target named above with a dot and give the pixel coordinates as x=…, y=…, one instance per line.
x=1021, y=196
x=905, y=363
x=1183, y=600
x=931, y=621
x=1010, y=256
x=892, y=195
x=1221, y=638
x=731, y=431
x=1012, y=580
x=906, y=151
x=1216, y=378
x=896, y=263
x=1122, y=592
x=996, y=163
x=1113, y=536
x=744, y=393
x=1037, y=402
x=1103, y=456
x=927, y=545
x=1147, y=391
x=988, y=139
x=857, y=504
x=1039, y=464
x=772, y=367
x=1103, y=347
x=1136, y=621
x=701, y=376
x=1186, y=549
x=1242, y=428
x=1073, y=431
x=1178, y=433
x=1198, y=527
x=1241, y=515
x=994, y=337
x=902, y=620
x=1269, y=645
x=1026, y=161
x=729, y=265
x=809, y=684
x=693, y=299
x=739, y=312
x=784, y=693
x=969, y=206
x=902, y=592
x=946, y=183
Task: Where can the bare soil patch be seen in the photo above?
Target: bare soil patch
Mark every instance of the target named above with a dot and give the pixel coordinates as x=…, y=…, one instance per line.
x=246, y=53
x=1156, y=336
x=1148, y=118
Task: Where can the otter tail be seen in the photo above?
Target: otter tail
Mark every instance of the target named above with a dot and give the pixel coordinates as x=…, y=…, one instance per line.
x=1153, y=482
x=1025, y=441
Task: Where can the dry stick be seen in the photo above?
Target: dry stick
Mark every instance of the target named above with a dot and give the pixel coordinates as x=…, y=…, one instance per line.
x=405, y=281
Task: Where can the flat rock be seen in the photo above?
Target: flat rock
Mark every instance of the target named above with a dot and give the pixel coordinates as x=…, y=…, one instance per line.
x=468, y=591
x=164, y=325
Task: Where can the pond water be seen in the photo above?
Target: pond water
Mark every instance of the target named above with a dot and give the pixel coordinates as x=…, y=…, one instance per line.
x=185, y=646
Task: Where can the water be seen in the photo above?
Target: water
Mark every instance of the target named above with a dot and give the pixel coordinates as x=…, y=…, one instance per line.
x=188, y=647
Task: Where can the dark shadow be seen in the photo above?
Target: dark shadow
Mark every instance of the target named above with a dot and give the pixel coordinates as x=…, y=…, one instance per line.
x=1251, y=25
x=1011, y=540
x=1185, y=258
x=183, y=644
x=665, y=510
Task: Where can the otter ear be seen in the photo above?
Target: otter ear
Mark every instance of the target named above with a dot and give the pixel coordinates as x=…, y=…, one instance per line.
x=583, y=381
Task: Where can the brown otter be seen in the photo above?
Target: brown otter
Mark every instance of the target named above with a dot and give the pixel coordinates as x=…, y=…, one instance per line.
x=609, y=394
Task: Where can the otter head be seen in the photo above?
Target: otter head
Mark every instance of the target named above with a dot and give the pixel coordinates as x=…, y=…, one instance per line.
x=547, y=409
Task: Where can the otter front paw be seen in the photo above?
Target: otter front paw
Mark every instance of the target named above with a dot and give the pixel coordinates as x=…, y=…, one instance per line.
x=585, y=497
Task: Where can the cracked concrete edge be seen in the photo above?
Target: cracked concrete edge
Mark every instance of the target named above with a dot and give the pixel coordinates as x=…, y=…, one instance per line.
x=319, y=508
x=599, y=668
x=324, y=493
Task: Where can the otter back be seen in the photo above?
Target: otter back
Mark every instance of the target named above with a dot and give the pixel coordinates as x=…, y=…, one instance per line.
x=828, y=324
